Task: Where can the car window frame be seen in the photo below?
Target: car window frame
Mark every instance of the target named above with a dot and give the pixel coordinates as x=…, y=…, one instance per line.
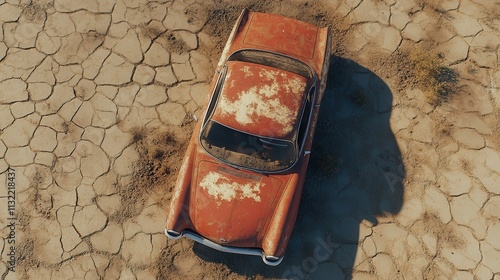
x=214, y=99
x=309, y=100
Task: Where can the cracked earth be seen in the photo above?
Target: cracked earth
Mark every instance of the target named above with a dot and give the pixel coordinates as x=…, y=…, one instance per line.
x=98, y=100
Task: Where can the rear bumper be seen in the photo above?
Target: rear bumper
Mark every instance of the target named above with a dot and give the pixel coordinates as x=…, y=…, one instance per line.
x=269, y=260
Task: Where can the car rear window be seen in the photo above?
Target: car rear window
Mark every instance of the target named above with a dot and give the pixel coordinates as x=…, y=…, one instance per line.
x=246, y=150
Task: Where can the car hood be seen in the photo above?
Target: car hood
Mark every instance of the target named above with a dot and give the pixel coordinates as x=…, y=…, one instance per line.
x=232, y=207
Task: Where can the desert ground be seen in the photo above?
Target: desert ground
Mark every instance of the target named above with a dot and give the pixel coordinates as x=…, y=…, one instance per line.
x=98, y=99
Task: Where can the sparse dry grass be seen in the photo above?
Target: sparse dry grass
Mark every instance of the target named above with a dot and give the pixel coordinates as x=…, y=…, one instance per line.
x=436, y=80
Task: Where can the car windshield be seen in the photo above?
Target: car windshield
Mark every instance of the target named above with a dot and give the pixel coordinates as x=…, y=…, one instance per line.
x=246, y=150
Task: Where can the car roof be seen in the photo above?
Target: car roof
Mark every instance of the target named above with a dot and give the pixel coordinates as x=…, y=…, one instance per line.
x=261, y=100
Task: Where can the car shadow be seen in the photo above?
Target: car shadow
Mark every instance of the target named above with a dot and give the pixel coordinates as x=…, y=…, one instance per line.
x=355, y=176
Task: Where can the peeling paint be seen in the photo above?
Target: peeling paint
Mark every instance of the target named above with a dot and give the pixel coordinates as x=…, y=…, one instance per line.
x=223, y=188
x=257, y=96
x=247, y=71
x=249, y=104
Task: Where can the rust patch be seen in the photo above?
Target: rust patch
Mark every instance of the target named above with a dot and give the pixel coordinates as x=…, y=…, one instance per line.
x=261, y=100
x=223, y=188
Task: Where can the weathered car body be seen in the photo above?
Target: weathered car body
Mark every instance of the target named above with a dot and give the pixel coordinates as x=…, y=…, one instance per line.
x=240, y=183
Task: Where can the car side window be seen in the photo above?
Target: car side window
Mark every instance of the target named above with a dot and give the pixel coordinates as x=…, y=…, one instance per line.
x=215, y=95
x=304, y=123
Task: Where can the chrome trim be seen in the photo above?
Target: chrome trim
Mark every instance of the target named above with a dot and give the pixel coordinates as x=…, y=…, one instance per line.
x=172, y=234
x=269, y=260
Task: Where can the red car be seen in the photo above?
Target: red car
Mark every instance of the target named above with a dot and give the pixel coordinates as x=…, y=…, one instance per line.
x=241, y=179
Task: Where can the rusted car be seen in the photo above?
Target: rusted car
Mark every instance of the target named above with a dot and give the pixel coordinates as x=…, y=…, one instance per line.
x=240, y=183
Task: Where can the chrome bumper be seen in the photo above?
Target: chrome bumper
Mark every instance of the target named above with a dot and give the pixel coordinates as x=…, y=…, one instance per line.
x=269, y=260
